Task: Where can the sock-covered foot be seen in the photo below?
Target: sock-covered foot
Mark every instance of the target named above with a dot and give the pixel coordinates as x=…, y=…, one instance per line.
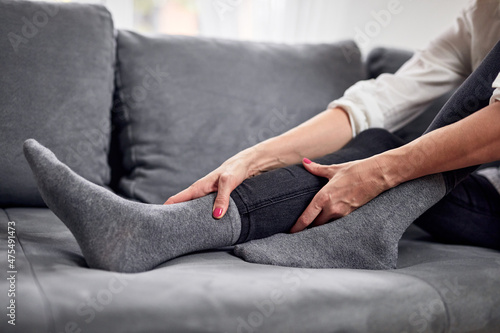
x=125, y=236
x=365, y=239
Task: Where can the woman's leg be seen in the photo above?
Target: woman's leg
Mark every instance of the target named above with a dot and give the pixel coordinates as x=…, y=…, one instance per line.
x=272, y=202
x=368, y=237
x=468, y=215
x=125, y=236
x=120, y=235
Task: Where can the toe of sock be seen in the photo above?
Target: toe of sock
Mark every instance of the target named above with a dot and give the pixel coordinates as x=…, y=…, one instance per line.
x=29, y=146
x=32, y=150
x=36, y=152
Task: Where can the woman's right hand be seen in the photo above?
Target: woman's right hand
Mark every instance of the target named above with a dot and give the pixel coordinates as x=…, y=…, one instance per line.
x=222, y=180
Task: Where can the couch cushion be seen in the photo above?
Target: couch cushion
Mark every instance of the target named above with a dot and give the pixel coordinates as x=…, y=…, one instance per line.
x=436, y=288
x=190, y=103
x=385, y=60
x=57, y=72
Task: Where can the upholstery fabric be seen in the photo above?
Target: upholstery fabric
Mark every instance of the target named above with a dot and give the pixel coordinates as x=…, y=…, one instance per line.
x=183, y=105
x=186, y=104
x=382, y=60
x=436, y=288
x=56, y=85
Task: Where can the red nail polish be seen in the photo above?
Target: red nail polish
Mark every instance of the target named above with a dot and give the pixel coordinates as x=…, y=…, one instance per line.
x=307, y=161
x=217, y=212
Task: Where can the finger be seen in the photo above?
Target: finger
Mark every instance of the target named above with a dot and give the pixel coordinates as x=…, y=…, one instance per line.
x=331, y=214
x=317, y=169
x=324, y=217
x=225, y=187
x=308, y=216
x=197, y=190
x=184, y=195
x=170, y=201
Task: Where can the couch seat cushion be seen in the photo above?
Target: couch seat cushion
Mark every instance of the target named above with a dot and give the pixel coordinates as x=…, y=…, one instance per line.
x=436, y=288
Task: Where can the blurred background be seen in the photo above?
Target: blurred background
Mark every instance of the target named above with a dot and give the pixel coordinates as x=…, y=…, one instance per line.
x=400, y=23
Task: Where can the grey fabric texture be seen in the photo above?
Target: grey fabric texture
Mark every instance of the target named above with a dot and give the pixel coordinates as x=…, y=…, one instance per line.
x=187, y=104
x=57, y=65
x=382, y=60
x=367, y=238
x=119, y=235
x=436, y=288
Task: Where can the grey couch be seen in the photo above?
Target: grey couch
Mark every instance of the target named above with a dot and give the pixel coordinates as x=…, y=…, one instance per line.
x=145, y=117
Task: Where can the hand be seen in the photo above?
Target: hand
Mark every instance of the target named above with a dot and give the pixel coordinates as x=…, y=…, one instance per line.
x=350, y=186
x=222, y=180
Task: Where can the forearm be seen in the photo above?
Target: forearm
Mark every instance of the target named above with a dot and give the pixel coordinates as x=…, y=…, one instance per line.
x=321, y=135
x=471, y=141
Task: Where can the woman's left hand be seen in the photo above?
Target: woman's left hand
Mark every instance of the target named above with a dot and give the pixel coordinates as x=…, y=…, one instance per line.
x=350, y=186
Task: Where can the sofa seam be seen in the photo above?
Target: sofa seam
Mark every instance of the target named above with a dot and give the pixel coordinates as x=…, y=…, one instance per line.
x=108, y=20
x=114, y=50
x=234, y=238
x=126, y=114
x=289, y=195
x=236, y=191
x=45, y=299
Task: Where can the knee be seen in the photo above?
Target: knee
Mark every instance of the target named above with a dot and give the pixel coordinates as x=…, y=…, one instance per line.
x=379, y=137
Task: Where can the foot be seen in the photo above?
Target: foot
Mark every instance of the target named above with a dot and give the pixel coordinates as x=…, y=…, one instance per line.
x=121, y=235
x=318, y=247
x=365, y=239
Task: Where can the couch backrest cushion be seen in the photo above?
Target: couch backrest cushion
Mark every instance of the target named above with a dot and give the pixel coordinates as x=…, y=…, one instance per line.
x=190, y=103
x=56, y=85
x=386, y=60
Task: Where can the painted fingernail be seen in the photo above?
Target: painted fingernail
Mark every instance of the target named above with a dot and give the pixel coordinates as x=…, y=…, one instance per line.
x=307, y=161
x=217, y=212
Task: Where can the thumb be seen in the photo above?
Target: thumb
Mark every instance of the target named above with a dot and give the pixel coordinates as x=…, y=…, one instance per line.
x=221, y=203
x=169, y=201
x=317, y=169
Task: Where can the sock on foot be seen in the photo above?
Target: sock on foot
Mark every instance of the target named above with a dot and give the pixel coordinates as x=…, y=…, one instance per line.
x=365, y=239
x=125, y=236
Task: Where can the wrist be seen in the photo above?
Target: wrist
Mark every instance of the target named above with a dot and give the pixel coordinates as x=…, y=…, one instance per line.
x=390, y=169
x=265, y=157
x=258, y=160
x=395, y=167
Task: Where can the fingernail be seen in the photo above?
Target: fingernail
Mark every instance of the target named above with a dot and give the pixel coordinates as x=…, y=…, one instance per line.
x=217, y=212
x=307, y=161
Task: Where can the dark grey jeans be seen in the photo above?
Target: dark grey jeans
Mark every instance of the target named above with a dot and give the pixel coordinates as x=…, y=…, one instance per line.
x=272, y=202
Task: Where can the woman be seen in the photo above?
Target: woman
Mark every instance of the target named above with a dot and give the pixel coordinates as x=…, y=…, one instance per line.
x=371, y=184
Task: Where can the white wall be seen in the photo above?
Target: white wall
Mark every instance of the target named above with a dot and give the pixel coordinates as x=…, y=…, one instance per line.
x=412, y=25
x=400, y=23
x=122, y=11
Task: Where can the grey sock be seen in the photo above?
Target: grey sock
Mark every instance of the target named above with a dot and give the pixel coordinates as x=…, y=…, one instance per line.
x=120, y=235
x=365, y=239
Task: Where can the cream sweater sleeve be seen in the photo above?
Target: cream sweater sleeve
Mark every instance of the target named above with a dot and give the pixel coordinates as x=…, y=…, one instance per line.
x=393, y=100
x=496, y=93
